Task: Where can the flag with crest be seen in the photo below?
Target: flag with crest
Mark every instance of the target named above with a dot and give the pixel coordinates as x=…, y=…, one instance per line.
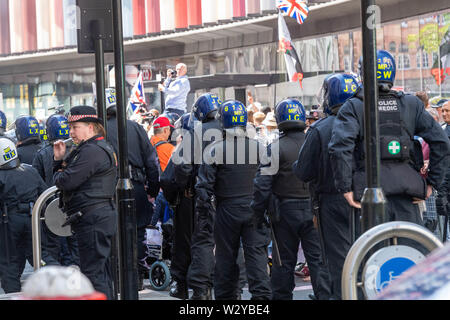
x=293, y=66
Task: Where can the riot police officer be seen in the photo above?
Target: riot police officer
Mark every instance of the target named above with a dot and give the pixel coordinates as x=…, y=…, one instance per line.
x=180, y=199
x=289, y=197
x=29, y=142
x=20, y=186
x=87, y=179
x=314, y=166
x=144, y=170
x=53, y=246
x=225, y=181
x=401, y=117
x=196, y=272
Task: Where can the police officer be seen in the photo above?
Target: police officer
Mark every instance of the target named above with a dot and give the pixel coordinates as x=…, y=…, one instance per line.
x=198, y=273
x=29, y=142
x=401, y=117
x=20, y=186
x=181, y=200
x=290, y=199
x=54, y=246
x=314, y=166
x=144, y=172
x=87, y=179
x=225, y=180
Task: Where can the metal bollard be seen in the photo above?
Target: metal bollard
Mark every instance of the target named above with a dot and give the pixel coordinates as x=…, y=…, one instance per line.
x=36, y=225
x=375, y=235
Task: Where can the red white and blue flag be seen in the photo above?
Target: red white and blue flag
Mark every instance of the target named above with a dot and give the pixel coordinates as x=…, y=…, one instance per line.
x=137, y=97
x=296, y=9
x=293, y=65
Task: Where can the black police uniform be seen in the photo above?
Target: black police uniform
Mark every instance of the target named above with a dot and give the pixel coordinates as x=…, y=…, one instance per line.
x=291, y=200
x=28, y=148
x=232, y=187
x=18, y=188
x=88, y=183
x=314, y=166
x=443, y=195
x=54, y=248
x=192, y=251
x=144, y=169
x=401, y=116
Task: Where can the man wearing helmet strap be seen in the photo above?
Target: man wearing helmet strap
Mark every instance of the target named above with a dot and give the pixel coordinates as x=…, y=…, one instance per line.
x=225, y=183
x=57, y=128
x=401, y=117
x=20, y=186
x=289, y=200
x=314, y=166
x=29, y=142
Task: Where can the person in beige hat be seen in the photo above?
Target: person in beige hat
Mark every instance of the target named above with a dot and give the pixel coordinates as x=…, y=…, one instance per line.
x=270, y=128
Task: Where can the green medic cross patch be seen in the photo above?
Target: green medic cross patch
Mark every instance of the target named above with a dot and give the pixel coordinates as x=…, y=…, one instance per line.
x=394, y=147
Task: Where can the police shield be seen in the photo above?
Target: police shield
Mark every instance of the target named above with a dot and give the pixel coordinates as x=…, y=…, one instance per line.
x=55, y=218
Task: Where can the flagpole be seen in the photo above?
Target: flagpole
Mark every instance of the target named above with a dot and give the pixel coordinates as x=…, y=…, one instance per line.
x=276, y=67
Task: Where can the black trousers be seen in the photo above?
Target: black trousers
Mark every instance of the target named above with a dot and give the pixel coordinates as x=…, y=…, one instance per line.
x=296, y=225
x=233, y=224
x=144, y=212
x=201, y=269
x=181, y=246
x=335, y=222
x=20, y=249
x=94, y=232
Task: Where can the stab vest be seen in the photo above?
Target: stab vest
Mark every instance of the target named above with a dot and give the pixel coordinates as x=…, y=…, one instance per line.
x=397, y=175
x=285, y=183
x=98, y=188
x=234, y=179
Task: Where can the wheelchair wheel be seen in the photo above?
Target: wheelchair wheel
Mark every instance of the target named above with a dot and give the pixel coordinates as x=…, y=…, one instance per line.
x=159, y=276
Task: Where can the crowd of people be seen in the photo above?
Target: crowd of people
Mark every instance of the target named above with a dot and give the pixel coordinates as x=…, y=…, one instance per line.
x=232, y=178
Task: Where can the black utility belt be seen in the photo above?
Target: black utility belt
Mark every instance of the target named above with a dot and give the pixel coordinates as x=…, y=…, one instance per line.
x=87, y=209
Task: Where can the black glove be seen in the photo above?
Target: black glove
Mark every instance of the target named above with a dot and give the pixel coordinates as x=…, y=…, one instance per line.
x=442, y=206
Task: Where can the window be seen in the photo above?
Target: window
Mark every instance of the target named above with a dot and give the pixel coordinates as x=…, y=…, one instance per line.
x=392, y=46
x=403, y=62
x=422, y=60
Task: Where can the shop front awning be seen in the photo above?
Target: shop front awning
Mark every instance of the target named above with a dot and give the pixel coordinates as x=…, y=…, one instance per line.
x=323, y=19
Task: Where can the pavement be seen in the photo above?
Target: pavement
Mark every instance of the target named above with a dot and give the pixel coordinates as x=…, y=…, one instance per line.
x=301, y=291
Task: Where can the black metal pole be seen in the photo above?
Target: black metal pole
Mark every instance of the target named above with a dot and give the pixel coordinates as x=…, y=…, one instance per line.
x=100, y=78
x=125, y=200
x=373, y=200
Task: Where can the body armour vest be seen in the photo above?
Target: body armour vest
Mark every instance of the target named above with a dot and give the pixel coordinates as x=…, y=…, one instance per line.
x=285, y=183
x=98, y=188
x=397, y=175
x=235, y=174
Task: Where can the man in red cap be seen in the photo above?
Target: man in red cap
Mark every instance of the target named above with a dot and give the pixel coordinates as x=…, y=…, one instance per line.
x=160, y=140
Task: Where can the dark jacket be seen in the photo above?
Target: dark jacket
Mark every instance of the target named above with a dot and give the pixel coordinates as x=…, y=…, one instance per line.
x=28, y=149
x=43, y=163
x=89, y=175
x=19, y=187
x=141, y=154
x=347, y=143
x=282, y=183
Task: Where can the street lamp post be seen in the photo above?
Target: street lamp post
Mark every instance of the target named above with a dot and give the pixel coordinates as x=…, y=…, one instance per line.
x=126, y=203
x=373, y=200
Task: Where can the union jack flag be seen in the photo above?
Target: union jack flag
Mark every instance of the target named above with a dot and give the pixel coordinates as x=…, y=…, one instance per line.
x=137, y=96
x=294, y=8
